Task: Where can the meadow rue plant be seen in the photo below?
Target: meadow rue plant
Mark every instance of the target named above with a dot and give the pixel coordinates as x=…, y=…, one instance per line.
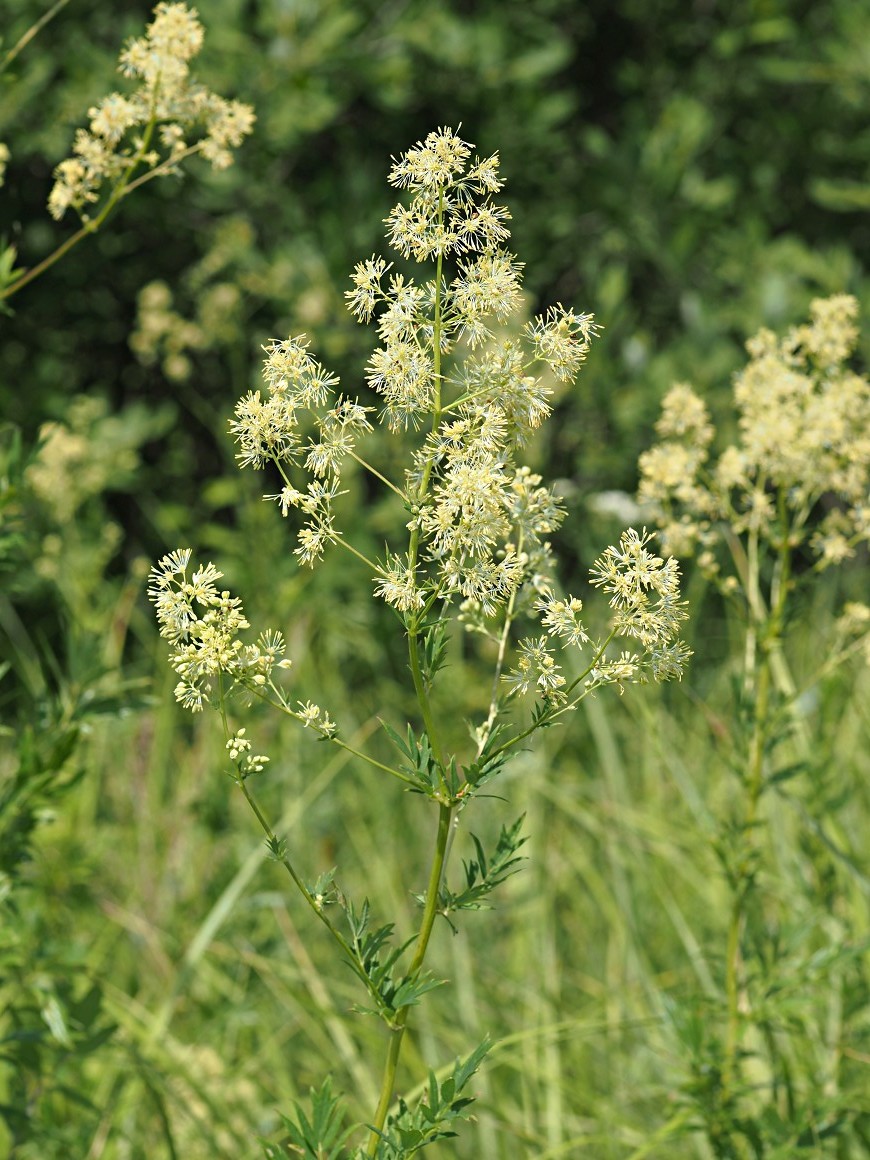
x=473, y=548
x=145, y=133
x=787, y=500
x=803, y=419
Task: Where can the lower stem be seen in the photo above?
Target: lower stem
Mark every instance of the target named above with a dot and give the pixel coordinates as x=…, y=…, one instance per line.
x=743, y=876
x=397, y=1031
x=386, y=1097
x=732, y=965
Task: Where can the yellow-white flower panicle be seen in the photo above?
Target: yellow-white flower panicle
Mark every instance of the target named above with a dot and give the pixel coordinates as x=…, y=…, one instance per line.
x=561, y=618
x=399, y=586
x=451, y=215
x=155, y=127
x=269, y=429
x=464, y=384
x=644, y=594
x=479, y=520
x=536, y=669
x=802, y=454
x=643, y=590
x=203, y=623
x=562, y=339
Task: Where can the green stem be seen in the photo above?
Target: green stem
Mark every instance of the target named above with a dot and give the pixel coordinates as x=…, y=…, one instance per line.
x=582, y=676
x=122, y=187
x=283, y=707
x=48, y=262
x=273, y=840
x=499, y=666
x=732, y=993
x=565, y=708
x=446, y=810
x=414, y=543
x=288, y=866
x=342, y=542
x=32, y=31
x=374, y=471
x=434, y=596
x=423, y=696
x=744, y=871
x=397, y=1032
x=764, y=642
x=436, y=401
x=499, y=663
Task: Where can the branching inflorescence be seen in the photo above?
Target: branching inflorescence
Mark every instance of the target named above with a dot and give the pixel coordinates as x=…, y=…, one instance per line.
x=156, y=125
x=478, y=521
x=135, y=137
x=804, y=433
x=474, y=545
x=793, y=489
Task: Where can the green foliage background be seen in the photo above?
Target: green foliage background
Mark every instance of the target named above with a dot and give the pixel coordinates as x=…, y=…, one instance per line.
x=689, y=172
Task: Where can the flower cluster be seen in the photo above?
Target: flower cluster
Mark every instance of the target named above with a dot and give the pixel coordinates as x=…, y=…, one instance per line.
x=203, y=624
x=644, y=597
x=313, y=717
x=451, y=214
x=854, y=627
x=644, y=592
x=477, y=524
x=804, y=434
x=166, y=119
x=536, y=668
x=161, y=331
x=81, y=458
x=270, y=430
x=478, y=520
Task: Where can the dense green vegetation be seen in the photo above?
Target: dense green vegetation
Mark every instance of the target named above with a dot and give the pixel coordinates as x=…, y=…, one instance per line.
x=688, y=173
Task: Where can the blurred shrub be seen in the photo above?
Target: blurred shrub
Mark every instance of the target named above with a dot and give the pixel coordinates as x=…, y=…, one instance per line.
x=63, y=625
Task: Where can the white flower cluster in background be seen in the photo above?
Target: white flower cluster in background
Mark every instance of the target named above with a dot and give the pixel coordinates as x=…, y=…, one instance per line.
x=166, y=119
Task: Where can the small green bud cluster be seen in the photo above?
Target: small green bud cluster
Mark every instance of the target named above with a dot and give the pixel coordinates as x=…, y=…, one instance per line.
x=121, y=132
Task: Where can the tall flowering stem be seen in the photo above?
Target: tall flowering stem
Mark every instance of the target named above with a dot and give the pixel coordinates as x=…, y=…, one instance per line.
x=794, y=485
x=472, y=551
